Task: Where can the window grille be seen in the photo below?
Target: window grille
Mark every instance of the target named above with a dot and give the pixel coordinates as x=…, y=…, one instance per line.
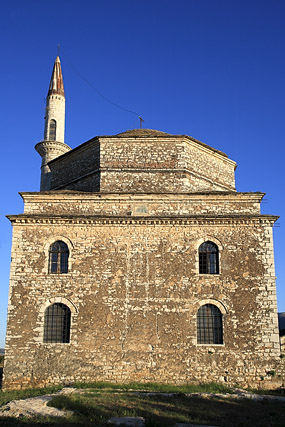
x=58, y=257
x=52, y=130
x=208, y=258
x=57, y=324
x=209, y=325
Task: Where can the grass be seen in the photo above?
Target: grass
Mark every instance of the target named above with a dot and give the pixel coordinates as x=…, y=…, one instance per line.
x=93, y=408
x=277, y=392
x=99, y=401
x=156, y=387
x=39, y=422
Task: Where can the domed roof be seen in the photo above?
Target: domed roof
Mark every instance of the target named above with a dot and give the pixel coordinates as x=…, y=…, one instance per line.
x=142, y=133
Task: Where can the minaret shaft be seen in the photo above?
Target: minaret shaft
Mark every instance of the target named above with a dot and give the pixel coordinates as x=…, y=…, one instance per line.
x=53, y=144
x=55, y=106
x=55, y=118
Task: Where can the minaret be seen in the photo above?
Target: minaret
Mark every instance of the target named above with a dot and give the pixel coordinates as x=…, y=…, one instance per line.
x=53, y=144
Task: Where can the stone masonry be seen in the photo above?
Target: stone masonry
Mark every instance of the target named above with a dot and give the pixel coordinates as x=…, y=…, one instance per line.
x=133, y=210
x=143, y=161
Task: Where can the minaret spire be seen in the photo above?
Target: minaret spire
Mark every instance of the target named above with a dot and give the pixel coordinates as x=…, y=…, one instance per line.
x=53, y=144
x=56, y=81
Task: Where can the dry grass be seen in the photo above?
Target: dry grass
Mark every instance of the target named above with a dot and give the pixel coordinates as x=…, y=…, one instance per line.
x=94, y=406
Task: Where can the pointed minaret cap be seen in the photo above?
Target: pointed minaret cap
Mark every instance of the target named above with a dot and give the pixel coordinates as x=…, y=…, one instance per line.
x=56, y=81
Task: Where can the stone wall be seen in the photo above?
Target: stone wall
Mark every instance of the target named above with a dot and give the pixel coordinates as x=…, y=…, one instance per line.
x=134, y=289
x=77, y=165
x=151, y=164
x=144, y=202
x=77, y=203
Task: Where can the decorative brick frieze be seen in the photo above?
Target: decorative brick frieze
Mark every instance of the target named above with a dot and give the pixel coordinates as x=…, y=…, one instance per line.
x=199, y=220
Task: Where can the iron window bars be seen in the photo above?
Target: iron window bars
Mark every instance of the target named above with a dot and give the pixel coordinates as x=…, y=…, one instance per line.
x=208, y=258
x=57, y=324
x=209, y=325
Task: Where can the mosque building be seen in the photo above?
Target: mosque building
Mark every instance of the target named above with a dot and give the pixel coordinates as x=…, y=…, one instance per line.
x=139, y=261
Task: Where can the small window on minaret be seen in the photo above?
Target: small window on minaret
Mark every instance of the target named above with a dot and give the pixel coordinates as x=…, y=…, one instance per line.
x=52, y=130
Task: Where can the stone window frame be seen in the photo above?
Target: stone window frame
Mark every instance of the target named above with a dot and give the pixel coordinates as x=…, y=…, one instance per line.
x=41, y=319
x=208, y=238
x=48, y=244
x=224, y=312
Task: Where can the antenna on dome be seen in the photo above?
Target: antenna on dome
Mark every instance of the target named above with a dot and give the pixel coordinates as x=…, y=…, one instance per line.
x=141, y=121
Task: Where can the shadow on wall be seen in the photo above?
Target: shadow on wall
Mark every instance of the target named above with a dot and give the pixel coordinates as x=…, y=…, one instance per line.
x=1, y=366
x=281, y=321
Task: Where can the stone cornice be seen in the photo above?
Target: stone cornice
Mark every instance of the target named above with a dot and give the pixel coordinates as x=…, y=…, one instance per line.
x=139, y=220
x=65, y=195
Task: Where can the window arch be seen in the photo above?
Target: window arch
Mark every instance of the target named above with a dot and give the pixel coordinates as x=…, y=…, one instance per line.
x=208, y=258
x=57, y=324
x=58, y=257
x=52, y=130
x=209, y=325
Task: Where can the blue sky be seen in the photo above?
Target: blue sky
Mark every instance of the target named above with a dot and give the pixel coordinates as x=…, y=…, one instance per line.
x=212, y=69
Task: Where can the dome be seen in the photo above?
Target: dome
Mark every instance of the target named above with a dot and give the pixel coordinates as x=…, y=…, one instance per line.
x=142, y=133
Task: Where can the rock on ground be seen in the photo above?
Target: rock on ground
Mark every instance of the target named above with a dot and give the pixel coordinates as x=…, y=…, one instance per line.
x=35, y=406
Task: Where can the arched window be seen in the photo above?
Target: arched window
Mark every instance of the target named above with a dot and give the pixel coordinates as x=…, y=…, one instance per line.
x=208, y=258
x=52, y=130
x=209, y=325
x=57, y=323
x=58, y=257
